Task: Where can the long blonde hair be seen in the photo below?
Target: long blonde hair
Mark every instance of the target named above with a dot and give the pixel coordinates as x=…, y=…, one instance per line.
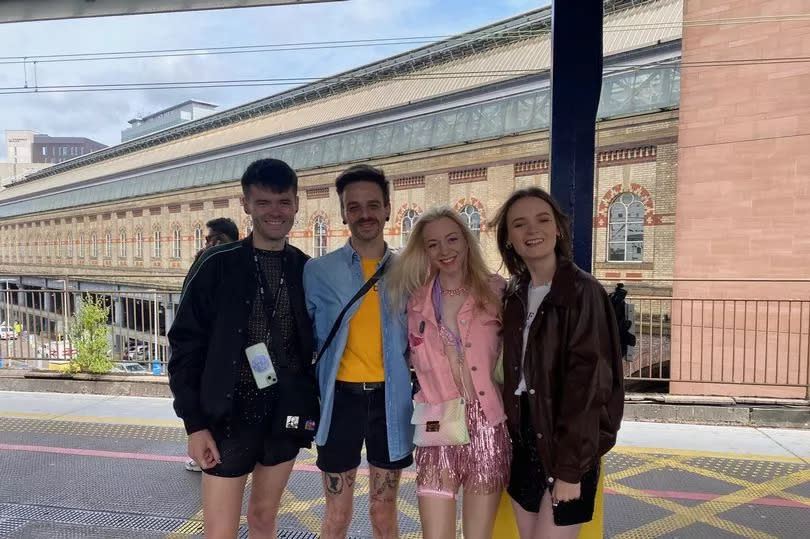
x=411, y=268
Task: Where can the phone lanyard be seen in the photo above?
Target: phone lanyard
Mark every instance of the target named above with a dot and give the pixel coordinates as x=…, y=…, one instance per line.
x=263, y=285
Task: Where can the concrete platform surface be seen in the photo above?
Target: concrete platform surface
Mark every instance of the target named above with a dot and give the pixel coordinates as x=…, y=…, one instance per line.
x=112, y=467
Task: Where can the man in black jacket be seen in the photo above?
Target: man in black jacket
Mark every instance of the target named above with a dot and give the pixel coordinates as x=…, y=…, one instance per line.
x=218, y=231
x=243, y=304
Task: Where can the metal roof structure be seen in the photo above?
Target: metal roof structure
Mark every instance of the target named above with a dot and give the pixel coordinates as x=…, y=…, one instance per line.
x=431, y=88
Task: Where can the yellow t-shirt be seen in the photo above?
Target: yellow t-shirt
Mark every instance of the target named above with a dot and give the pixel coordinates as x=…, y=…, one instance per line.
x=362, y=359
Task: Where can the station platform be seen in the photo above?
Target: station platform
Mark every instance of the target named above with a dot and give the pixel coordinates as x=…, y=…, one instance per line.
x=112, y=467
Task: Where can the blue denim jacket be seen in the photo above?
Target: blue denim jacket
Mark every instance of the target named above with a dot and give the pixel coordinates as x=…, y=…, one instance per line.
x=329, y=283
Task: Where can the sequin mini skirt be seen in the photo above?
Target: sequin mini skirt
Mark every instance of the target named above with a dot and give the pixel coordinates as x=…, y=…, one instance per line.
x=480, y=467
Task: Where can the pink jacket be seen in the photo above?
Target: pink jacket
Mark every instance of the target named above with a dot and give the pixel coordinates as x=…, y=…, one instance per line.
x=482, y=345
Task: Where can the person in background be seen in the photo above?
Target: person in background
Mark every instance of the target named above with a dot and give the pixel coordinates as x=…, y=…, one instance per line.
x=218, y=231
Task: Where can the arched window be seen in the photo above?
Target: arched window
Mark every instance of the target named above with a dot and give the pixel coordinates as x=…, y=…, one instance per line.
x=473, y=217
x=58, y=244
x=626, y=229
x=37, y=246
x=138, y=244
x=69, y=245
x=319, y=236
x=408, y=220
x=156, y=243
x=108, y=244
x=48, y=246
x=248, y=222
x=176, y=240
x=122, y=243
x=81, y=246
x=93, y=245
x=198, y=238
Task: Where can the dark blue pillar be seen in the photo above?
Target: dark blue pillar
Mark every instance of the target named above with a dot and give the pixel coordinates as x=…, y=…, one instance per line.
x=576, y=81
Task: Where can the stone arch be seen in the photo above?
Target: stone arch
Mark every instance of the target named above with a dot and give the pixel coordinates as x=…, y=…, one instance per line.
x=650, y=217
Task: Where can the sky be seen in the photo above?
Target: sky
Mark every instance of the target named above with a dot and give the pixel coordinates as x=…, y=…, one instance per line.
x=102, y=115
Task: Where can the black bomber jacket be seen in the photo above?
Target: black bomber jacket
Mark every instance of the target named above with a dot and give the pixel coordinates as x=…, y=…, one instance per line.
x=209, y=333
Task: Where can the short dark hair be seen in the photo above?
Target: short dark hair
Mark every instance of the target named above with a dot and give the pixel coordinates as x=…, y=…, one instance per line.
x=363, y=173
x=225, y=226
x=274, y=174
x=513, y=262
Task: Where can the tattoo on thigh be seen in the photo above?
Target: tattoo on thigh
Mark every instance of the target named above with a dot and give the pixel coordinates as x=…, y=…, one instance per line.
x=350, y=478
x=333, y=482
x=384, y=486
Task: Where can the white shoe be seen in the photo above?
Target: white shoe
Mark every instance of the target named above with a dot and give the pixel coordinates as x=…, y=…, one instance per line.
x=192, y=466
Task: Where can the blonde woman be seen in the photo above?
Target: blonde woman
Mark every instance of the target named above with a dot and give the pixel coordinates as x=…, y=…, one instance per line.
x=453, y=313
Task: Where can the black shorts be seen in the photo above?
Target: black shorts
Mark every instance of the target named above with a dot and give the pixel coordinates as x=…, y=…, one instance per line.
x=241, y=447
x=358, y=415
x=527, y=482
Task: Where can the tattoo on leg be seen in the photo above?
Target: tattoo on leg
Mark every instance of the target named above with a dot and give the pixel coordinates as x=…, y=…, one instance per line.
x=384, y=486
x=333, y=482
x=350, y=478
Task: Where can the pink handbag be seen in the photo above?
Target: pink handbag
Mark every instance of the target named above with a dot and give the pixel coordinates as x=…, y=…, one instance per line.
x=444, y=423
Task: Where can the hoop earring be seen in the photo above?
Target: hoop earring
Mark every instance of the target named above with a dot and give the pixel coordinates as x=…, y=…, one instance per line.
x=508, y=244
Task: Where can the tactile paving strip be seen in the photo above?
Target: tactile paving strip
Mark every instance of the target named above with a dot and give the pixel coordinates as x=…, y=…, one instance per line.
x=106, y=519
x=95, y=430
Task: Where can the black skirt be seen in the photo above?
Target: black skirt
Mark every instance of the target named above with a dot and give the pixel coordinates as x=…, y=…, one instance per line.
x=528, y=481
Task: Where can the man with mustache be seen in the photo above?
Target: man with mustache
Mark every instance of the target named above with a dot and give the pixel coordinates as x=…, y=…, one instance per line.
x=363, y=376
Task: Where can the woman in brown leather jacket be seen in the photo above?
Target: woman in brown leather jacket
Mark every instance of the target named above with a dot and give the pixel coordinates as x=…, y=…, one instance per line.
x=562, y=369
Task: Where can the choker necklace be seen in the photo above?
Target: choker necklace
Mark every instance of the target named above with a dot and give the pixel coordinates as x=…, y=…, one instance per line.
x=454, y=291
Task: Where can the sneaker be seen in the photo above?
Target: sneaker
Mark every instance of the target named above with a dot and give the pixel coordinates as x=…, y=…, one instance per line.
x=192, y=466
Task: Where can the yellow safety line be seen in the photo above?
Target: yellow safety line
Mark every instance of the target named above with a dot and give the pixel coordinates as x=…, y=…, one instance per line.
x=94, y=419
x=651, y=529
x=195, y=525
x=680, y=464
x=684, y=516
x=635, y=451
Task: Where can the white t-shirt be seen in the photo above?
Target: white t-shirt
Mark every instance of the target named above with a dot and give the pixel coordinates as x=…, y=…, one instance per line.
x=536, y=296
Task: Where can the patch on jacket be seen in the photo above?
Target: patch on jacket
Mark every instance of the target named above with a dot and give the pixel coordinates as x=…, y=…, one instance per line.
x=415, y=340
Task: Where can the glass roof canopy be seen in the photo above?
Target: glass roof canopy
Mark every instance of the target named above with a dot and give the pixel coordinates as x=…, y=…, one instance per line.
x=645, y=89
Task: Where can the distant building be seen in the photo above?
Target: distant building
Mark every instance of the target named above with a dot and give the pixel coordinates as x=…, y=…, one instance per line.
x=47, y=149
x=29, y=152
x=166, y=118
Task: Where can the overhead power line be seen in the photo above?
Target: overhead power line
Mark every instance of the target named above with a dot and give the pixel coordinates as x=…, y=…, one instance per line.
x=449, y=75
x=374, y=42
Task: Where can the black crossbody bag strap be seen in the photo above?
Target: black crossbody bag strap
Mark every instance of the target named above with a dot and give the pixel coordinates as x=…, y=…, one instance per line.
x=360, y=293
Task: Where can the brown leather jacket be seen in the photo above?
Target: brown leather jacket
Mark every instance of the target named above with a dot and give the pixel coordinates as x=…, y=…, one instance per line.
x=573, y=370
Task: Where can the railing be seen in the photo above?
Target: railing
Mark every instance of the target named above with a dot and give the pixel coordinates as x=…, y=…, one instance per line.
x=747, y=342
x=36, y=328
x=757, y=343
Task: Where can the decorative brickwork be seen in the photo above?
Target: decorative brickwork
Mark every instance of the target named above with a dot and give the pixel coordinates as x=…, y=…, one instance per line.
x=467, y=175
x=315, y=192
x=410, y=182
x=626, y=156
x=528, y=168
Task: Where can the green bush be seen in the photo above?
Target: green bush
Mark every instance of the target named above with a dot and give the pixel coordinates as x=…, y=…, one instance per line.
x=90, y=337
